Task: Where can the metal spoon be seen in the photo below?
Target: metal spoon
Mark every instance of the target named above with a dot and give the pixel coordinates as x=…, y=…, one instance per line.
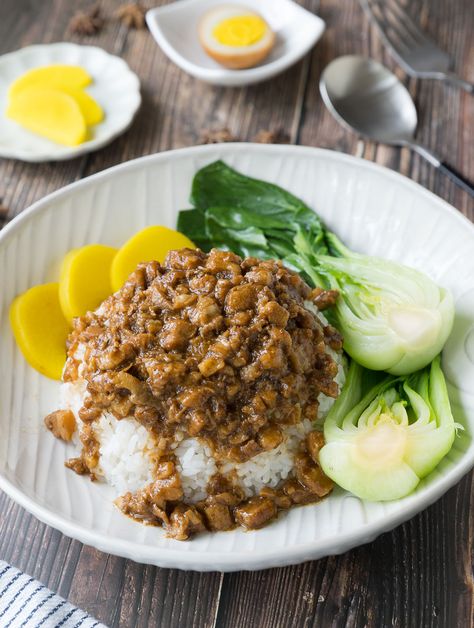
x=366, y=97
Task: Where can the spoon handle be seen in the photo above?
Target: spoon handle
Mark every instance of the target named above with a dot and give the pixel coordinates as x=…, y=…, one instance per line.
x=456, y=81
x=452, y=173
x=457, y=177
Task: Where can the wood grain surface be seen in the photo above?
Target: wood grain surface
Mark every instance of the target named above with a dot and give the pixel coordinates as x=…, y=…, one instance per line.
x=419, y=575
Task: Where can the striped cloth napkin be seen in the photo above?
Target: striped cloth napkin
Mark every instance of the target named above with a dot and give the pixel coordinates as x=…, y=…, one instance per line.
x=26, y=603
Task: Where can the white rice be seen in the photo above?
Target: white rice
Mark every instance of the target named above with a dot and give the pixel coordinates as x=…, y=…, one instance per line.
x=128, y=451
x=196, y=467
x=270, y=467
x=71, y=395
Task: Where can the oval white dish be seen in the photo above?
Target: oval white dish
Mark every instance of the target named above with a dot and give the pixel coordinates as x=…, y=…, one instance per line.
x=116, y=88
x=373, y=209
x=175, y=29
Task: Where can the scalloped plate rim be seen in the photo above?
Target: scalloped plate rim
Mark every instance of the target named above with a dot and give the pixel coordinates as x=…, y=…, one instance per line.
x=64, y=153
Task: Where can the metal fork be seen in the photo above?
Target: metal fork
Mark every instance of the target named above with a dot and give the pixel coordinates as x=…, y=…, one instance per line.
x=415, y=52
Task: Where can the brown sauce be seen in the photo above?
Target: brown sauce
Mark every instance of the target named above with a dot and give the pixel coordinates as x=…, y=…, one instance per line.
x=222, y=349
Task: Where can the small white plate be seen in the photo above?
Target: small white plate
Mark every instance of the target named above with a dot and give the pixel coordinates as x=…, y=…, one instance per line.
x=175, y=28
x=116, y=88
x=374, y=210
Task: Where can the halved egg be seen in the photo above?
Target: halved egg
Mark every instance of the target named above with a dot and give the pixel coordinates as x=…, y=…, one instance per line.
x=235, y=36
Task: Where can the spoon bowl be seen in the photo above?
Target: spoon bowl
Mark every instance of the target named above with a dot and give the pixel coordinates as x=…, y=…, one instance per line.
x=367, y=98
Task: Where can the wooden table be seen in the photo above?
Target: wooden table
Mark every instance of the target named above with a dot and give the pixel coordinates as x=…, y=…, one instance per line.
x=419, y=575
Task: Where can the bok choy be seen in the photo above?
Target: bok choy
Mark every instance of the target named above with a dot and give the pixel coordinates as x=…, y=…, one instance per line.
x=392, y=317
x=380, y=443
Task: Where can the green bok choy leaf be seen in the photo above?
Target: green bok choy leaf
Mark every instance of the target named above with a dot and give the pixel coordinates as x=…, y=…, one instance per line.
x=392, y=317
x=380, y=443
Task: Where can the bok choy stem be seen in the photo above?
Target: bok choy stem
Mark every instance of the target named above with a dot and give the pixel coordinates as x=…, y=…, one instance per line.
x=382, y=441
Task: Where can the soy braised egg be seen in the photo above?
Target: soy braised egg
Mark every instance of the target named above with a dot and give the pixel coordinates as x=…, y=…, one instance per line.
x=235, y=36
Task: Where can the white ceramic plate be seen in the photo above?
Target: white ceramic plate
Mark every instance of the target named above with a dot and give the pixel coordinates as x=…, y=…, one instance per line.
x=175, y=28
x=116, y=88
x=373, y=209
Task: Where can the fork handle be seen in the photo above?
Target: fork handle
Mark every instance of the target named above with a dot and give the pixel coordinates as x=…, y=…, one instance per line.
x=458, y=178
x=454, y=80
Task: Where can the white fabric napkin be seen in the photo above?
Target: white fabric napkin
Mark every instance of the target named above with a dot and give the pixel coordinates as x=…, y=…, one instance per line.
x=26, y=603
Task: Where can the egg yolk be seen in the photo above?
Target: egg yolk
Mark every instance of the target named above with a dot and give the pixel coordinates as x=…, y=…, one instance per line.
x=240, y=30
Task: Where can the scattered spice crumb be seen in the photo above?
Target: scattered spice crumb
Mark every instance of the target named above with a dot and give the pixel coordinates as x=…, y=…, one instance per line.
x=277, y=136
x=86, y=22
x=217, y=136
x=321, y=599
x=132, y=15
x=308, y=597
x=4, y=211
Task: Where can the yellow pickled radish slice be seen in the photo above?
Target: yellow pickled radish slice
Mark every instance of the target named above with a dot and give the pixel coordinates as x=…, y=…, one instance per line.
x=50, y=113
x=90, y=108
x=40, y=329
x=152, y=243
x=59, y=76
x=85, y=279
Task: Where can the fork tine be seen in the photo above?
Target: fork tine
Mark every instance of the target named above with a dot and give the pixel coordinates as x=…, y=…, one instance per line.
x=392, y=36
x=390, y=18
x=416, y=53
x=406, y=21
x=393, y=22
